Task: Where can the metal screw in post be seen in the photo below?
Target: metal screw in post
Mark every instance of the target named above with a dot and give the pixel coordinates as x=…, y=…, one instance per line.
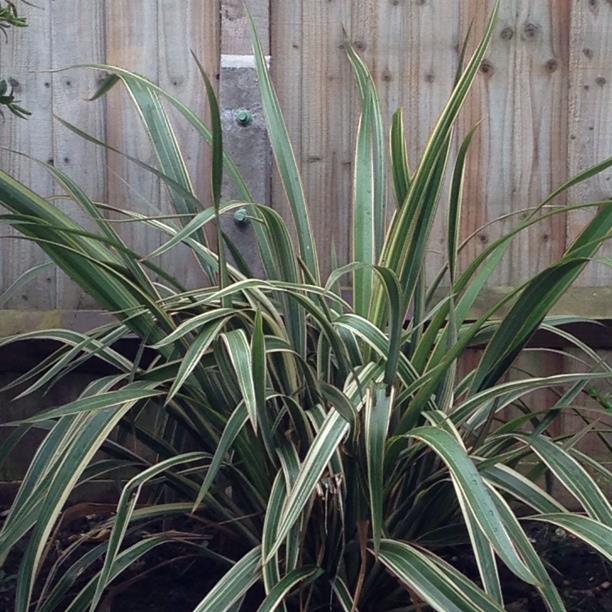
x=241, y=217
x=243, y=117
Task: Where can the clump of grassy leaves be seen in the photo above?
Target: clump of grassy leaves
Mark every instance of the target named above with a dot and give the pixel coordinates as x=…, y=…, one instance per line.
x=327, y=441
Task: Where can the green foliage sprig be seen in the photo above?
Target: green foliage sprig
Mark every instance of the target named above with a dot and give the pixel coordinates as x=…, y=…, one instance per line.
x=7, y=99
x=10, y=18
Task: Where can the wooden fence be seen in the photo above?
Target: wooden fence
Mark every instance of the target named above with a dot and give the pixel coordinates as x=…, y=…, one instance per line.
x=543, y=96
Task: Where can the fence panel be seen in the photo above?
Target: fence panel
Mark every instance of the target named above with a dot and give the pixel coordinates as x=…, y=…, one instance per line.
x=541, y=94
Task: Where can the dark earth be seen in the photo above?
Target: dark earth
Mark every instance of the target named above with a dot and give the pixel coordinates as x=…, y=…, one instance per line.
x=172, y=579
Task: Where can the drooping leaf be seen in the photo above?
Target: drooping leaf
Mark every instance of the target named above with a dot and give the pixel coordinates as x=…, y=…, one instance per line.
x=234, y=584
x=437, y=584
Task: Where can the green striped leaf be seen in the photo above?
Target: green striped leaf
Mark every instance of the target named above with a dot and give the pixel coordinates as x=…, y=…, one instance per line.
x=240, y=355
x=399, y=158
x=456, y=198
x=216, y=168
x=80, y=602
x=363, y=213
x=233, y=585
x=234, y=426
x=377, y=409
x=545, y=585
x=271, y=569
x=194, y=353
x=119, y=74
x=485, y=559
x=125, y=509
x=340, y=402
x=260, y=378
x=295, y=577
x=193, y=323
x=572, y=475
x=591, y=531
x=435, y=582
x=477, y=406
x=370, y=104
x=104, y=401
x=425, y=186
x=91, y=429
x=320, y=452
x=521, y=488
x=343, y=596
x=470, y=487
x=285, y=158
x=535, y=301
x=21, y=281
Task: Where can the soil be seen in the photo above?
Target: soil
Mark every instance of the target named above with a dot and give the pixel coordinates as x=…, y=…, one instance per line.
x=170, y=578
x=582, y=576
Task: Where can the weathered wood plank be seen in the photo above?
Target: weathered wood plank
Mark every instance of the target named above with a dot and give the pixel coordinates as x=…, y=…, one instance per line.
x=190, y=26
x=23, y=60
x=582, y=302
x=131, y=42
x=286, y=65
x=236, y=28
x=530, y=81
x=411, y=48
x=590, y=120
x=83, y=161
x=517, y=156
x=587, y=302
x=328, y=120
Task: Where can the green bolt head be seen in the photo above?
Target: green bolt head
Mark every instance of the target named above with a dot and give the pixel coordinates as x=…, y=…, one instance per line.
x=243, y=117
x=241, y=216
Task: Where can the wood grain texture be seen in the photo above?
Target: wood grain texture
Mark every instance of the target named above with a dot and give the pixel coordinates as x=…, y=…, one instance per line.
x=144, y=37
x=590, y=120
x=328, y=119
x=83, y=161
x=196, y=25
x=519, y=151
x=22, y=61
x=286, y=50
x=411, y=49
x=236, y=27
x=543, y=94
x=131, y=42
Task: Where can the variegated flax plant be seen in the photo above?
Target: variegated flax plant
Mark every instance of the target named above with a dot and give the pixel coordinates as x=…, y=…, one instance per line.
x=326, y=443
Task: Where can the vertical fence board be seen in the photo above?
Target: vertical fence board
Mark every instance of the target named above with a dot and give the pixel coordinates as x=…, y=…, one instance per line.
x=72, y=154
x=413, y=57
x=196, y=25
x=590, y=120
x=286, y=49
x=23, y=60
x=521, y=98
x=544, y=94
x=131, y=42
x=236, y=28
x=327, y=123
